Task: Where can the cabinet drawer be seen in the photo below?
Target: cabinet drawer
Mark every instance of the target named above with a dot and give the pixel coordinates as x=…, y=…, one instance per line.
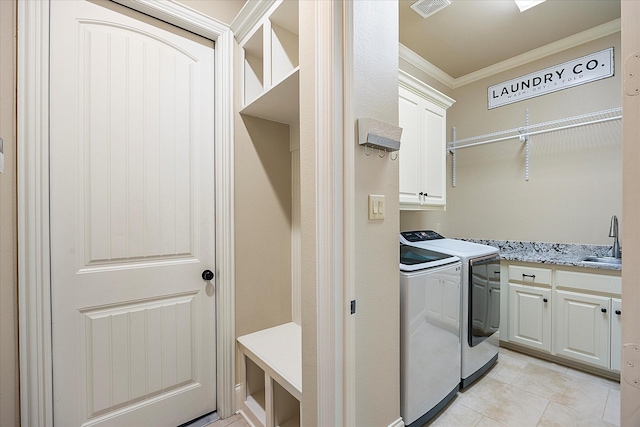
x=589, y=282
x=530, y=274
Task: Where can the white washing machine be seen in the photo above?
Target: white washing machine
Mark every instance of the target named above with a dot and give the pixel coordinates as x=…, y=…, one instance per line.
x=430, y=295
x=480, y=318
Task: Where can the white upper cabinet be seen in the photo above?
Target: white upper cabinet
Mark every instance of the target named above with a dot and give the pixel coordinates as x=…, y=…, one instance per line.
x=422, y=117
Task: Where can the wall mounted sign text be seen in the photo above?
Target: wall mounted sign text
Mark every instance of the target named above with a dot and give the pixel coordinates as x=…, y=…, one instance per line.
x=596, y=66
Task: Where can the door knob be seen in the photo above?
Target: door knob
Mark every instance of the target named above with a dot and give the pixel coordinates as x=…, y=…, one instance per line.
x=604, y=310
x=545, y=300
x=207, y=275
x=618, y=312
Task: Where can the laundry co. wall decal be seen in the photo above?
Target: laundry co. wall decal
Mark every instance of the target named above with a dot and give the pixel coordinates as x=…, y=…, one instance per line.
x=596, y=66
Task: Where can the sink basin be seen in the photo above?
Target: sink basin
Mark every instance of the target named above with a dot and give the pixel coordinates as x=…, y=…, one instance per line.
x=603, y=260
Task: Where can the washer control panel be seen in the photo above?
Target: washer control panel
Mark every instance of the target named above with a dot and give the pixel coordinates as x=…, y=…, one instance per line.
x=421, y=236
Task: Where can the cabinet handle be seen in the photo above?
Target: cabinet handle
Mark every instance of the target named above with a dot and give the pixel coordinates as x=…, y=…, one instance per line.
x=618, y=312
x=604, y=310
x=545, y=300
x=533, y=276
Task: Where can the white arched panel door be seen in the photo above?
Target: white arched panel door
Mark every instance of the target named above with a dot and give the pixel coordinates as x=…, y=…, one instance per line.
x=132, y=219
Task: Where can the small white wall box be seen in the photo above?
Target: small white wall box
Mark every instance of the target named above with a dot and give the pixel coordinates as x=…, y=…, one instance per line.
x=376, y=134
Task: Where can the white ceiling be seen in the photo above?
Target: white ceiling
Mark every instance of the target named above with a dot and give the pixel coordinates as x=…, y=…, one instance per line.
x=469, y=35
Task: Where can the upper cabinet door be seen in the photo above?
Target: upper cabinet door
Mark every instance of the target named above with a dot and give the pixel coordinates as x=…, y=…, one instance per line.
x=433, y=156
x=422, y=117
x=409, y=119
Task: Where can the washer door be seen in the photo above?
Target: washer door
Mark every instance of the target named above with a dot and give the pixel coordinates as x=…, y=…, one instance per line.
x=413, y=258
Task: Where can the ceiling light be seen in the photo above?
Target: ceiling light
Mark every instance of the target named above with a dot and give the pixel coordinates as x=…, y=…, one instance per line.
x=527, y=4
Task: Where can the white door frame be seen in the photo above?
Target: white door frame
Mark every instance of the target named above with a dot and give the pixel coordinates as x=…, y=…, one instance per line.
x=34, y=281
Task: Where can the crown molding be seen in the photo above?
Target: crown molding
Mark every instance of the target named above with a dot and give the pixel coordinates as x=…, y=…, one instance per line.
x=586, y=36
x=422, y=64
x=249, y=16
x=420, y=88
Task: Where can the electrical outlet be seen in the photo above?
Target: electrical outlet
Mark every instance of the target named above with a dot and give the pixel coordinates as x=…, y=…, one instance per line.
x=376, y=206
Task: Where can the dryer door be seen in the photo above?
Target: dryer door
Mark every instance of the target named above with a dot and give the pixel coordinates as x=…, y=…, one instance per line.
x=484, y=298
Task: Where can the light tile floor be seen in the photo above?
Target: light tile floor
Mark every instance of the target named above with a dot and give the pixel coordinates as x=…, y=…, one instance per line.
x=521, y=391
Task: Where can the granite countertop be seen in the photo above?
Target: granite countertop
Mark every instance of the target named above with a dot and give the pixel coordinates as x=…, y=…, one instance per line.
x=550, y=253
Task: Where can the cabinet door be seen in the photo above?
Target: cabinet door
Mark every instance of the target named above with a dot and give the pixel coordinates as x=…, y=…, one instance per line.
x=432, y=174
x=530, y=316
x=409, y=114
x=582, y=327
x=616, y=333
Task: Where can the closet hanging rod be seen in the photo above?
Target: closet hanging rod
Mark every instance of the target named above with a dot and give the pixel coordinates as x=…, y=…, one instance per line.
x=522, y=133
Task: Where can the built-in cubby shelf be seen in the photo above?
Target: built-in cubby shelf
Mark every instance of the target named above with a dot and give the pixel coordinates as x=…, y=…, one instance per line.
x=271, y=375
x=280, y=104
x=271, y=61
x=270, y=360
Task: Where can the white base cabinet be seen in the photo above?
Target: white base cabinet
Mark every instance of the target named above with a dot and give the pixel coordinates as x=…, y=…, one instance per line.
x=530, y=316
x=581, y=327
x=565, y=312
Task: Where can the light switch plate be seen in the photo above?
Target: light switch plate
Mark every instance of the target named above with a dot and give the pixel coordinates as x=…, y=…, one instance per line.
x=376, y=206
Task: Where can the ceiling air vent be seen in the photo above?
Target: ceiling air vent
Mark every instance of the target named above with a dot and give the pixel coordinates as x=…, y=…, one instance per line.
x=427, y=8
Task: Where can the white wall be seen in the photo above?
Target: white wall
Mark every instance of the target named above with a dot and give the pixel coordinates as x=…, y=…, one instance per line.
x=575, y=175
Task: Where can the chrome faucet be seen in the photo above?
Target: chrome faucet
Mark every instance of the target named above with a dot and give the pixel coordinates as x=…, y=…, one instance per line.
x=616, y=250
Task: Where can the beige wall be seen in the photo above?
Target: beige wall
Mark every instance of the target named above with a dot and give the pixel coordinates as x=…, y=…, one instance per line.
x=222, y=10
x=377, y=328
x=9, y=400
x=262, y=220
x=575, y=183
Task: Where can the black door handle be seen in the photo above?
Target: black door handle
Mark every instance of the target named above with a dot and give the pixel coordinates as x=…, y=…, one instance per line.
x=618, y=312
x=604, y=310
x=545, y=300
x=207, y=275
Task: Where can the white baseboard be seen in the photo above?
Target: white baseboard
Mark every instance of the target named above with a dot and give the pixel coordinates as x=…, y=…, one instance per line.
x=244, y=417
x=238, y=398
x=397, y=423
